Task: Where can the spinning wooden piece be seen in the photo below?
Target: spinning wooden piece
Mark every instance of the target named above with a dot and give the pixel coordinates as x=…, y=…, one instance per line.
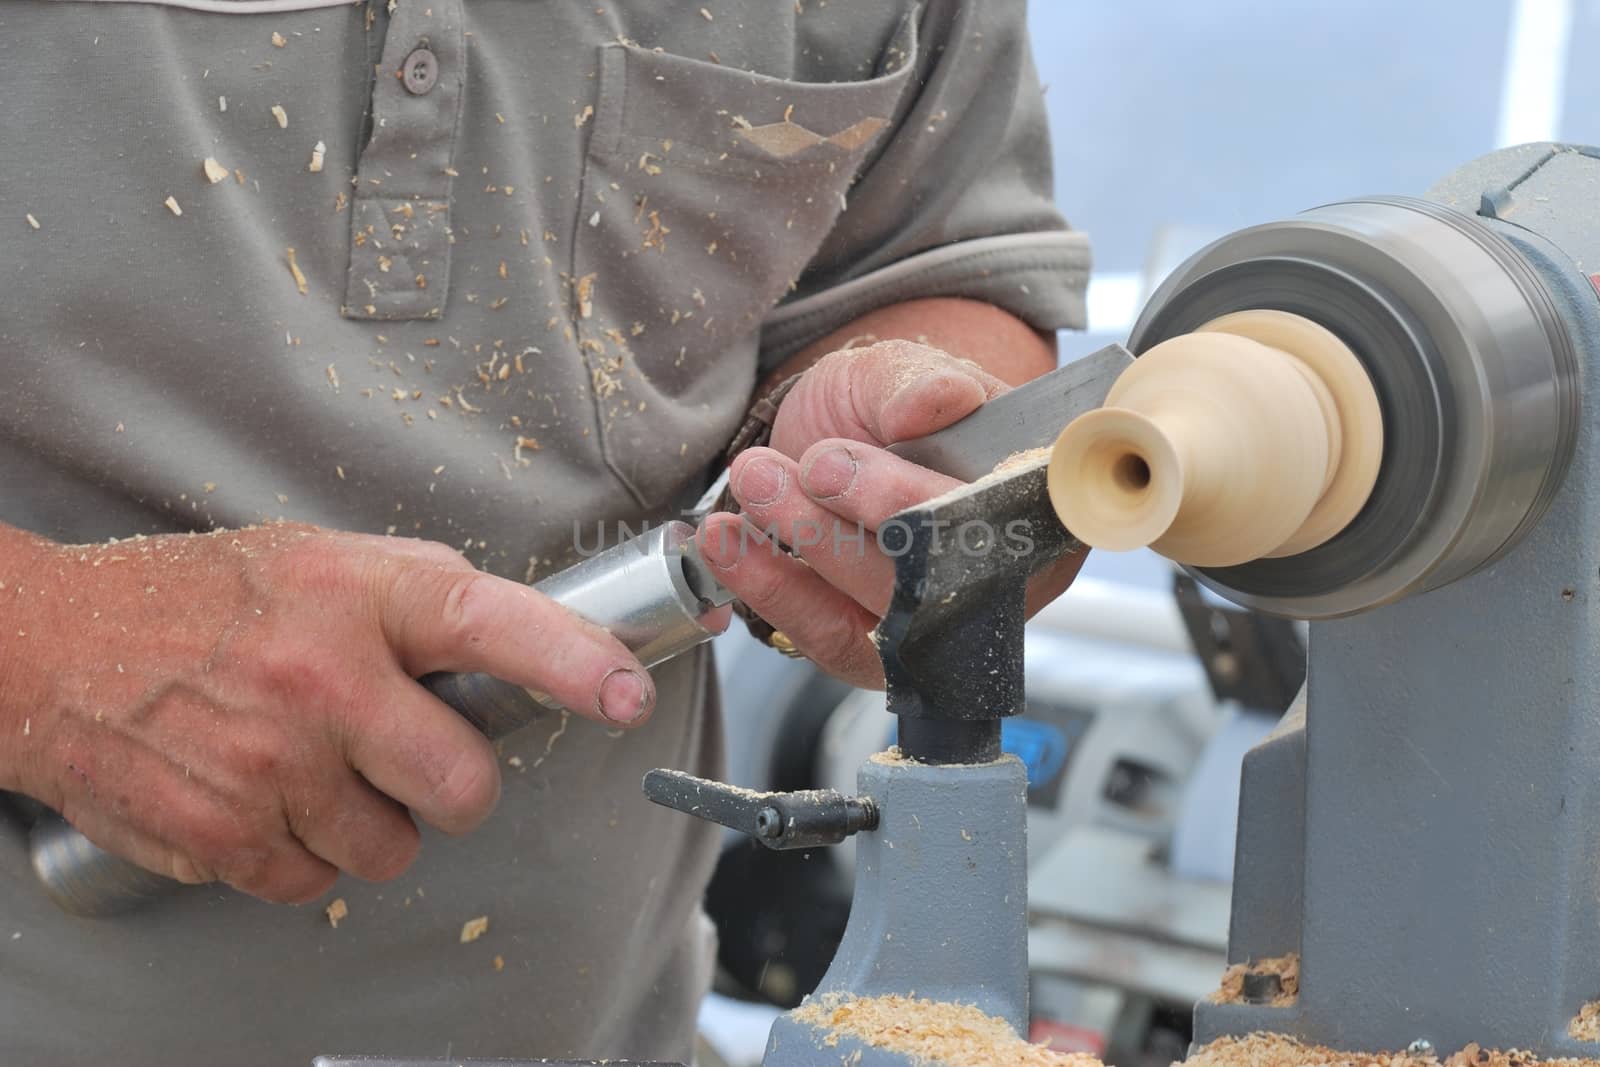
x=1257, y=435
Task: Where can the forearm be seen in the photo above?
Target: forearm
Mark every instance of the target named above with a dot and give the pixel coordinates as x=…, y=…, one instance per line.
x=996, y=340
x=22, y=584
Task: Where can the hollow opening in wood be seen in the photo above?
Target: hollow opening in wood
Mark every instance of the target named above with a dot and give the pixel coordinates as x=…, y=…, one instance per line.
x=1130, y=472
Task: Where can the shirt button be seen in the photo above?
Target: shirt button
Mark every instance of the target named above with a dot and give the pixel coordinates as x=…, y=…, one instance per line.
x=420, y=71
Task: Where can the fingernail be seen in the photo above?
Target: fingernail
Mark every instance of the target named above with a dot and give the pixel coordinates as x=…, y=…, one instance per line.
x=624, y=697
x=761, y=482
x=830, y=474
x=719, y=546
x=937, y=390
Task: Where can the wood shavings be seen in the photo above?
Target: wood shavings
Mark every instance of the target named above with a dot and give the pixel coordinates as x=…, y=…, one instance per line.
x=172, y=206
x=333, y=377
x=473, y=929
x=656, y=236
x=222, y=103
x=566, y=716
x=499, y=963
x=336, y=911
x=585, y=290
x=529, y=443
x=583, y=116
x=1021, y=458
x=278, y=39
x=930, y=1032
x=1287, y=968
x=214, y=171
x=31, y=220
x=294, y=269
x=317, y=151
x=281, y=115
x=1277, y=1050
x=1585, y=1026
x=705, y=14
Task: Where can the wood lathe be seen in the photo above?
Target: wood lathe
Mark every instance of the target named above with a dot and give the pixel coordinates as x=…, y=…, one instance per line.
x=1419, y=841
x=1371, y=416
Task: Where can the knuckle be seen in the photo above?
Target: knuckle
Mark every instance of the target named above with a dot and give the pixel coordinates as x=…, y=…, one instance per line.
x=849, y=652
x=308, y=561
x=261, y=757
x=762, y=582
x=299, y=670
x=398, y=852
x=443, y=555
x=467, y=792
x=303, y=888
x=188, y=870
x=211, y=838
x=263, y=762
x=467, y=608
x=276, y=875
x=248, y=869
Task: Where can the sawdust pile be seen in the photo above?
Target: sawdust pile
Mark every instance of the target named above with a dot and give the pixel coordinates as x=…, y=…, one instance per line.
x=1275, y=1050
x=1586, y=1026
x=931, y=1032
x=942, y=1034
x=1287, y=968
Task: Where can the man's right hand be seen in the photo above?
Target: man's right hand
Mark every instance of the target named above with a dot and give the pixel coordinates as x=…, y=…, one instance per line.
x=240, y=706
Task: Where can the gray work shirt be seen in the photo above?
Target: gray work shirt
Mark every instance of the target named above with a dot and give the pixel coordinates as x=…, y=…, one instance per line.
x=472, y=271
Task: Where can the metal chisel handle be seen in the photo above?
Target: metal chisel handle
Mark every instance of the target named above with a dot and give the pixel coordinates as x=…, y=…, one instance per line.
x=639, y=590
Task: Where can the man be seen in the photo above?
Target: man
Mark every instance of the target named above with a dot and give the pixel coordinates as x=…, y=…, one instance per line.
x=477, y=275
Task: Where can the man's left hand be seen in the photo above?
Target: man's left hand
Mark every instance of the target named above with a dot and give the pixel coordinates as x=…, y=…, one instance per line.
x=827, y=484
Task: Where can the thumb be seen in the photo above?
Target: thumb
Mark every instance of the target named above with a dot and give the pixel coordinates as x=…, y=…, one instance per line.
x=455, y=618
x=886, y=392
x=927, y=402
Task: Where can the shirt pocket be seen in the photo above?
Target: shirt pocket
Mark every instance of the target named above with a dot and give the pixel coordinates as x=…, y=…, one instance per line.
x=706, y=191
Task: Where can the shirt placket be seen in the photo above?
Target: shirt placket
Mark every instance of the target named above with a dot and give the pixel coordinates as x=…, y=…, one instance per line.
x=400, y=209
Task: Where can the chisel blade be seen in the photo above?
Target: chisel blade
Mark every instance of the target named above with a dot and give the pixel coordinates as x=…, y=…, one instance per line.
x=1027, y=417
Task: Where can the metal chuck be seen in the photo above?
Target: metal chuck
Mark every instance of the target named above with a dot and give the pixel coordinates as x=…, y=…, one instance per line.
x=1475, y=374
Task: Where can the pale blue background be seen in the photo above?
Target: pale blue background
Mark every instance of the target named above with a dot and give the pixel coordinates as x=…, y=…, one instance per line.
x=1176, y=121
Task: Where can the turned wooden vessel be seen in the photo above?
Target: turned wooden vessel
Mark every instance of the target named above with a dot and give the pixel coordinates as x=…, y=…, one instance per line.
x=1258, y=435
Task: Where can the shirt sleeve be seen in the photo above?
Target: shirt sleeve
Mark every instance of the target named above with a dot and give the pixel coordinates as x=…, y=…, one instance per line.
x=957, y=200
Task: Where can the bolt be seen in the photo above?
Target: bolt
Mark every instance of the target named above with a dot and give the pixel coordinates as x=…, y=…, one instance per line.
x=769, y=822
x=1261, y=987
x=861, y=813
